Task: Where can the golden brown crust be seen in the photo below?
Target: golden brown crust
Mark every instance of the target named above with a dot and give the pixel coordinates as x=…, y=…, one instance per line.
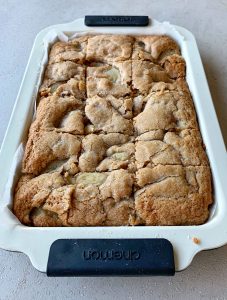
x=169, y=212
x=145, y=74
x=115, y=140
x=64, y=77
x=109, y=48
x=173, y=195
x=114, y=79
x=44, y=147
x=174, y=65
x=154, y=48
x=172, y=148
x=169, y=110
x=104, y=117
x=53, y=199
x=107, y=152
x=33, y=193
x=62, y=114
x=74, y=50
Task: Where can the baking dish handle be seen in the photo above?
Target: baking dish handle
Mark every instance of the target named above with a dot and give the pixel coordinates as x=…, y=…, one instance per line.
x=110, y=257
x=116, y=20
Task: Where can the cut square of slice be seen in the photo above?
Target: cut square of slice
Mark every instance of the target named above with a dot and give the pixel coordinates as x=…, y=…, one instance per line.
x=109, y=48
x=171, y=148
x=44, y=148
x=145, y=74
x=73, y=50
x=154, y=48
x=107, y=152
x=105, y=118
x=65, y=77
x=31, y=195
x=173, y=195
x=111, y=79
x=61, y=114
x=165, y=110
x=99, y=197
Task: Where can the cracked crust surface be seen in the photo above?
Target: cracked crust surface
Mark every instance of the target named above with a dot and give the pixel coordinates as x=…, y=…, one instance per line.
x=113, y=79
x=104, y=117
x=44, y=147
x=173, y=195
x=115, y=140
x=100, y=155
x=154, y=48
x=62, y=114
x=169, y=110
x=145, y=74
x=87, y=199
x=170, y=148
x=109, y=48
x=74, y=50
x=64, y=77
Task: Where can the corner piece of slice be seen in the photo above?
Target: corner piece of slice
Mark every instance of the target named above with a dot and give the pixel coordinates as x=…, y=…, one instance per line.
x=175, y=66
x=109, y=48
x=173, y=195
x=73, y=50
x=30, y=196
x=154, y=47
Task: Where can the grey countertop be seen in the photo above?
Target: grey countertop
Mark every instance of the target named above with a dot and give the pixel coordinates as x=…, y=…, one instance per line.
x=20, y=21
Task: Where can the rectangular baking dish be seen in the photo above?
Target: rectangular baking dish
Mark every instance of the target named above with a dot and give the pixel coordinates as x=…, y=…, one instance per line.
x=36, y=242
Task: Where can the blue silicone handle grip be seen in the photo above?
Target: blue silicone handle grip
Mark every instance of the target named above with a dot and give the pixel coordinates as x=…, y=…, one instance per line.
x=110, y=257
x=116, y=20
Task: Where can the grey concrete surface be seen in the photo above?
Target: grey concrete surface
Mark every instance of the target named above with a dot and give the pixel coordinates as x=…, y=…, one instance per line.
x=20, y=21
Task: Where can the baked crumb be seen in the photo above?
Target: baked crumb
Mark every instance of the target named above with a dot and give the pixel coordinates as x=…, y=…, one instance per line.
x=196, y=240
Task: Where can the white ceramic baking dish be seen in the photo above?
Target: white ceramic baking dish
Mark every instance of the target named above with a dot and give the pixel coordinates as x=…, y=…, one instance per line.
x=36, y=242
